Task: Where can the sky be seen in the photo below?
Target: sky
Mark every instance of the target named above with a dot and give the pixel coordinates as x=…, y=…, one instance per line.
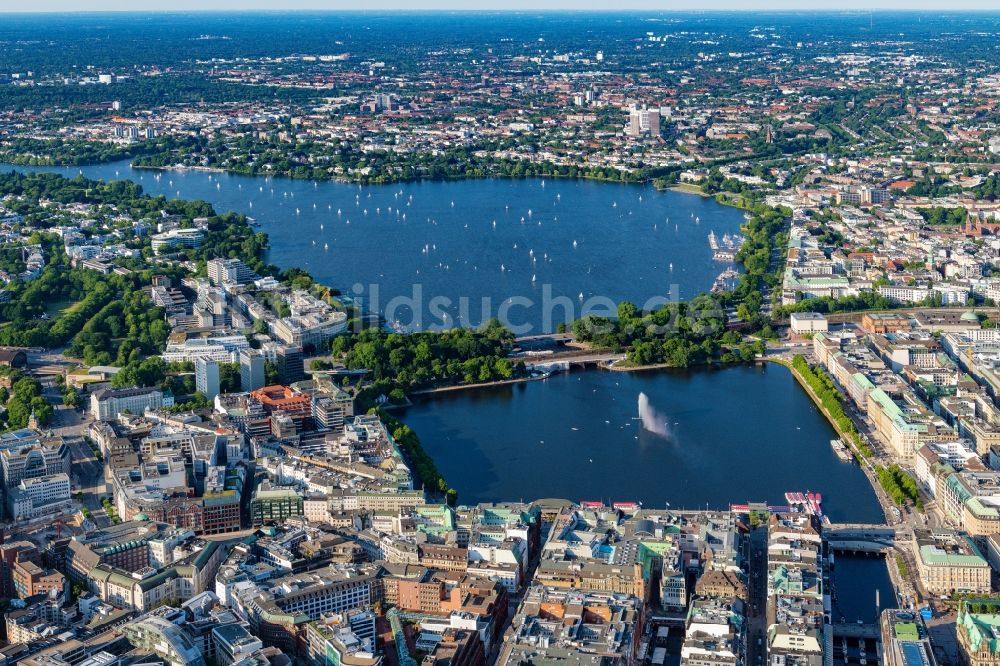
x=535, y=5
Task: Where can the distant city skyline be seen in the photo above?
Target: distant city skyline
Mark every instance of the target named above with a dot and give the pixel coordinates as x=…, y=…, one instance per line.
x=513, y=5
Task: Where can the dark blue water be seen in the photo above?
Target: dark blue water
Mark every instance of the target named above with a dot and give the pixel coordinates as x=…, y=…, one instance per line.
x=856, y=578
x=733, y=435
x=559, y=248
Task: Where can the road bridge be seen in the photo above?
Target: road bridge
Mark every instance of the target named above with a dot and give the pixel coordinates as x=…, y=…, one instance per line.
x=570, y=358
x=855, y=630
x=863, y=537
x=546, y=337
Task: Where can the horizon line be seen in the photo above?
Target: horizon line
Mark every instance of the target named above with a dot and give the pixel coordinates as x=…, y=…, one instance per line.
x=495, y=10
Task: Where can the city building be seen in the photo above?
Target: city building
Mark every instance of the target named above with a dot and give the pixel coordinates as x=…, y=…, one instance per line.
x=338, y=640
x=977, y=627
x=206, y=375
x=252, y=370
x=950, y=563
x=177, y=238
x=39, y=496
x=291, y=364
x=643, y=122
x=275, y=505
x=35, y=457
x=550, y=622
x=229, y=271
x=234, y=644
x=808, y=322
x=165, y=639
x=279, y=609
x=905, y=641
x=107, y=404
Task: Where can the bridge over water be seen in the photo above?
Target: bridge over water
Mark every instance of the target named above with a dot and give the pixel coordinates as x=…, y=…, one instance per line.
x=864, y=538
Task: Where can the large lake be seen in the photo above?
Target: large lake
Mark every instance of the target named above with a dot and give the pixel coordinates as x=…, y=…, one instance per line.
x=561, y=244
x=728, y=436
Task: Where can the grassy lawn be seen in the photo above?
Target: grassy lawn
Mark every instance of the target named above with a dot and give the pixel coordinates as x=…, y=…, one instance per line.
x=689, y=188
x=61, y=307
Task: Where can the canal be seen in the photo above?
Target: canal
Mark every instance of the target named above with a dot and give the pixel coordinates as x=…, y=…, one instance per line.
x=856, y=578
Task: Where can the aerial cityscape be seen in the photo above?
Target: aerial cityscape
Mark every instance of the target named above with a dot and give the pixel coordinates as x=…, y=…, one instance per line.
x=499, y=335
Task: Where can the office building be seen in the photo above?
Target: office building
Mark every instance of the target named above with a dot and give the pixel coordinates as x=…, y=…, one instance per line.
x=252, y=371
x=550, y=621
x=950, y=563
x=808, y=322
x=291, y=366
x=39, y=496
x=33, y=460
x=643, y=122
x=331, y=641
x=330, y=411
x=107, y=404
x=234, y=643
x=164, y=639
x=278, y=612
x=177, y=238
x=229, y=271
x=905, y=641
x=30, y=578
x=206, y=374
x=275, y=505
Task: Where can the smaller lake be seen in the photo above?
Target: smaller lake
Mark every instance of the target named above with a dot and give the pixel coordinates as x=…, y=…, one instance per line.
x=732, y=435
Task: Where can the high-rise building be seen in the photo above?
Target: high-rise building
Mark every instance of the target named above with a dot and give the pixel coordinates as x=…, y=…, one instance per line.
x=331, y=410
x=634, y=125
x=643, y=122
x=291, y=366
x=206, y=377
x=384, y=102
x=252, y=375
x=229, y=271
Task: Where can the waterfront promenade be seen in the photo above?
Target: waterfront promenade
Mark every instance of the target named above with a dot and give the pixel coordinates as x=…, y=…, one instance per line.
x=906, y=587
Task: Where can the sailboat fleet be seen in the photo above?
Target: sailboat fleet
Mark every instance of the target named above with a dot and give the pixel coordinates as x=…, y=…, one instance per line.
x=724, y=248
x=727, y=249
